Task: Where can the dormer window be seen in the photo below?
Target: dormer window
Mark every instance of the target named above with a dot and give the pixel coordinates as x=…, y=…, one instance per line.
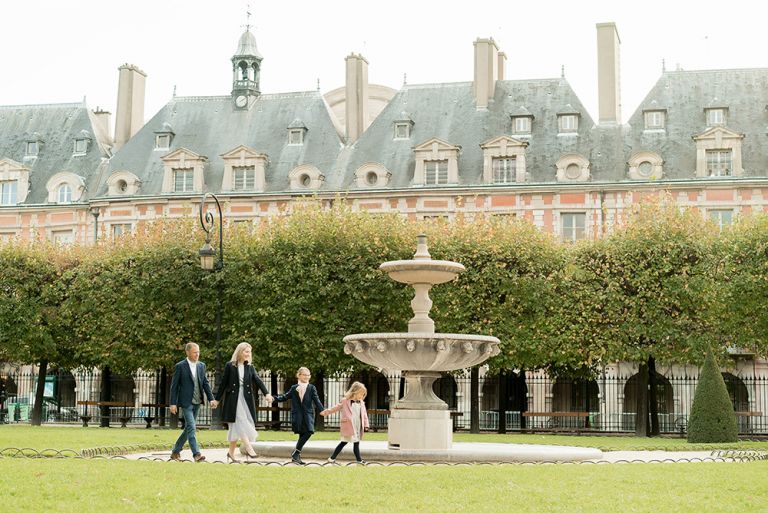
x=719, y=162
x=183, y=179
x=32, y=149
x=162, y=141
x=81, y=147
x=655, y=119
x=567, y=123
x=402, y=130
x=244, y=178
x=64, y=193
x=521, y=125
x=435, y=172
x=295, y=137
x=716, y=116
x=9, y=192
x=296, y=131
x=163, y=137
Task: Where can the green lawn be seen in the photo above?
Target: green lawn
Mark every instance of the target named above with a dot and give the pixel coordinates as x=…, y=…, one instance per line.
x=78, y=438
x=118, y=485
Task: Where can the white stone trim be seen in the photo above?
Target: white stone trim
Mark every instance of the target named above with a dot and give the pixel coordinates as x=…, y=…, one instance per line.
x=382, y=175
x=436, y=149
x=718, y=138
x=132, y=183
x=243, y=156
x=184, y=159
x=316, y=178
x=65, y=177
x=638, y=158
x=572, y=158
x=504, y=147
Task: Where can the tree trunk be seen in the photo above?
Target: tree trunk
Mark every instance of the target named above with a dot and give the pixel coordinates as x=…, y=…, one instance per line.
x=320, y=386
x=37, y=409
x=162, y=396
x=653, y=404
x=106, y=395
x=522, y=401
x=641, y=407
x=474, y=400
x=502, y=402
x=275, y=404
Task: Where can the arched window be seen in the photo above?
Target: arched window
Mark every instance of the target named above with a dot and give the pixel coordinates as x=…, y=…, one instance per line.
x=664, y=403
x=64, y=193
x=574, y=395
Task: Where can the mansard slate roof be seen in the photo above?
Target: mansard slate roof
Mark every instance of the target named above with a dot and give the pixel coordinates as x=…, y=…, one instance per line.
x=448, y=112
x=684, y=95
x=56, y=126
x=210, y=126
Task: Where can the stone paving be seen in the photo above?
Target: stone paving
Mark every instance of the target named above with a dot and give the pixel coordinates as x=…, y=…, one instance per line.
x=377, y=452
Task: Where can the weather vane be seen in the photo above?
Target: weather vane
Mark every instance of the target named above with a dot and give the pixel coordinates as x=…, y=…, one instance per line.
x=248, y=17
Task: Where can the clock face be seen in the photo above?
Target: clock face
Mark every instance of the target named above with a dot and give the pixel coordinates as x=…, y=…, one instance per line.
x=240, y=101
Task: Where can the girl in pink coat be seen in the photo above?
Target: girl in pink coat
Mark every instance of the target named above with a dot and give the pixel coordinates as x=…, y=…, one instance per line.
x=354, y=420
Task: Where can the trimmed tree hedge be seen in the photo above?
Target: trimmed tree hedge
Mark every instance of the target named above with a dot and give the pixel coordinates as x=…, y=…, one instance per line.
x=712, y=418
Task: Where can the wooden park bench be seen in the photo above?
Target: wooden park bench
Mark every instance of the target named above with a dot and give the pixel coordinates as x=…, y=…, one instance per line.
x=109, y=404
x=270, y=424
x=149, y=418
x=558, y=415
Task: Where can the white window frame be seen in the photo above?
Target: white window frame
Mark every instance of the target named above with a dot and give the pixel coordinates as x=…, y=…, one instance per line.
x=722, y=217
x=436, y=172
x=655, y=119
x=717, y=116
x=9, y=192
x=162, y=141
x=63, y=237
x=64, y=193
x=567, y=123
x=521, y=125
x=188, y=182
x=505, y=173
x=717, y=164
x=569, y=226
x=117, y=230
x=243, y=178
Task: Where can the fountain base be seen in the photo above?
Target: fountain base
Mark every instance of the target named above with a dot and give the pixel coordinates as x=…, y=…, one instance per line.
x=420, y=429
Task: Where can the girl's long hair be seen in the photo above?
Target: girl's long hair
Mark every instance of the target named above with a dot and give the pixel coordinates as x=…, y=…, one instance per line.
x=354, y=389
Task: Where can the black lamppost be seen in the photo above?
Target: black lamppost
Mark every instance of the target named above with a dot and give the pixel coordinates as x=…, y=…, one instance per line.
x=209, y=262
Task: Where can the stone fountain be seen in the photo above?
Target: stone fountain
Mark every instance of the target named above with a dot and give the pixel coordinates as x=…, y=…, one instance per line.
x=421, y=420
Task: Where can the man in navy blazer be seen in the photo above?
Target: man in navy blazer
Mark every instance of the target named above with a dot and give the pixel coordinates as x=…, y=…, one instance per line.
x=189, y=386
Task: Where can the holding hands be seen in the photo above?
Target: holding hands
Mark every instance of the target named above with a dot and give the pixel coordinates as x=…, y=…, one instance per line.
x=269, y=398
x=214, y=404
x=324, y=413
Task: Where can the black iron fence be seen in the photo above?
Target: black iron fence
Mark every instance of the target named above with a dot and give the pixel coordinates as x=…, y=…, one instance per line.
x=530, y=401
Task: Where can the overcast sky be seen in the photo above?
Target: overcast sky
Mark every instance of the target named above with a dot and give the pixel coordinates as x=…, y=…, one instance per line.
x=55, y=51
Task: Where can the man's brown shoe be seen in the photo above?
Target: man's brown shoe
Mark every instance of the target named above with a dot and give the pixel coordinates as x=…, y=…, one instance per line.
x=175, y=456
x=199, y=458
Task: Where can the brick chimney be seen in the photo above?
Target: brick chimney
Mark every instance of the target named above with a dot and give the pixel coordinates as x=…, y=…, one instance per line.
x=356, y=96
x=608, y=86
x=129, y=116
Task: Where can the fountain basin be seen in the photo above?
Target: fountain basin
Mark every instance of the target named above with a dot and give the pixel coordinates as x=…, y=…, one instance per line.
x=432, y=272
x=436, y=352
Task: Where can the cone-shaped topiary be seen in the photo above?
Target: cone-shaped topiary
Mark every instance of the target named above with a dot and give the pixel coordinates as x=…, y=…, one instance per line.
x=712, y=418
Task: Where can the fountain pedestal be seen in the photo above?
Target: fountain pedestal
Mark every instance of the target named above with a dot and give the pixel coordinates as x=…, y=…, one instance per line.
x=421, y=420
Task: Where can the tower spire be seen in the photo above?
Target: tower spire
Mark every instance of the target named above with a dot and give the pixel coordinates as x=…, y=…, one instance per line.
x=246, y=68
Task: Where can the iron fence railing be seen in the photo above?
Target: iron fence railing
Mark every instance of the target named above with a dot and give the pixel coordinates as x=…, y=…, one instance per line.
x=530, y=401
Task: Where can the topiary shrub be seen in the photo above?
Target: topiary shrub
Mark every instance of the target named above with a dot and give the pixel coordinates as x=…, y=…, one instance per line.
x=712, y=418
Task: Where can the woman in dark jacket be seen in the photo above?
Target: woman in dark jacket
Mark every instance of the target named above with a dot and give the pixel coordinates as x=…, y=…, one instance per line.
x=304, y=399
x=236, y=390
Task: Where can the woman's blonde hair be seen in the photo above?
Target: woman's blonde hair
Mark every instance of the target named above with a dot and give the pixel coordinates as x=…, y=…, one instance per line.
x=302, y=370
x=355, y=389
x=242, y=346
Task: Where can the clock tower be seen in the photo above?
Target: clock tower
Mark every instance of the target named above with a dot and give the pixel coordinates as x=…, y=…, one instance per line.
x=246, y=66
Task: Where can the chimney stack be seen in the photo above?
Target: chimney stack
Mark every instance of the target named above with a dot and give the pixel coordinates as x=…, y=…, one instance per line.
x=502, y=66
x=487, y=64
x=103, y=119
x=356, y=96
x=608, y=86
x=130, y=103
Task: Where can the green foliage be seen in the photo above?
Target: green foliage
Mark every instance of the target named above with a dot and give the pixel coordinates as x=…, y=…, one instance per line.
x=644, y=291
x=712, y=418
